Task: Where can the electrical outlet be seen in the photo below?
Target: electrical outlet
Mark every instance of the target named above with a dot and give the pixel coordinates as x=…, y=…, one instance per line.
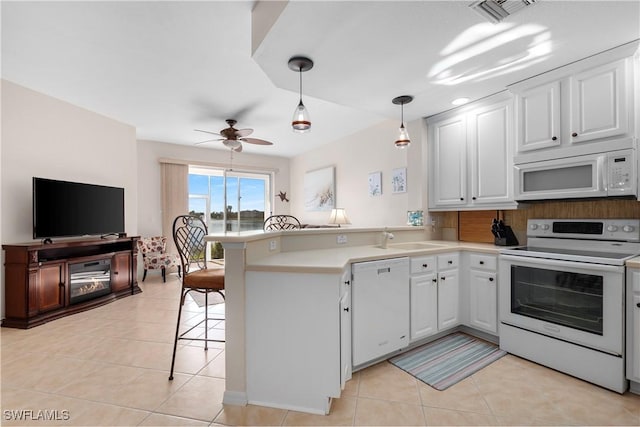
x=341, y=239
x=273, y=245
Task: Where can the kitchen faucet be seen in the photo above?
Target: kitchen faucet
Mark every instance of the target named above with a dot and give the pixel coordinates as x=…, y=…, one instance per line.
x=386, y=236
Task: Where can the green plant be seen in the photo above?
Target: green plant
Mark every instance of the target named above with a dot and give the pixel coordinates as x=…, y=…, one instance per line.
x=217, y=251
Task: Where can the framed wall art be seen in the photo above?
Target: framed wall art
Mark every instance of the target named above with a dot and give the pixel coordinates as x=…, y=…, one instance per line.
x=399, y=180
x=375, y=184
x=320, y=189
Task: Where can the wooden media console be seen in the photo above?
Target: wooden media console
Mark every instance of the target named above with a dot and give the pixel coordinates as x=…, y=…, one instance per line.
x=48, y=281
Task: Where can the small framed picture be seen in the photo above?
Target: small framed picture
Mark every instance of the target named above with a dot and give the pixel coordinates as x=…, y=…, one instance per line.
x=399, y=180
x=375, y=184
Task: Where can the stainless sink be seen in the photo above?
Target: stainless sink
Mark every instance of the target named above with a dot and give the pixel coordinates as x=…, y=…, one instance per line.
x=409, y=246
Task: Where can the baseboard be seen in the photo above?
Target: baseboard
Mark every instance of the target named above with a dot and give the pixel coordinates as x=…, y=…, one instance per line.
x=237, y=398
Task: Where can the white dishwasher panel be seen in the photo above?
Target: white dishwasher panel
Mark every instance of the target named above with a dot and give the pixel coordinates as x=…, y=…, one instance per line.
x=380, y=308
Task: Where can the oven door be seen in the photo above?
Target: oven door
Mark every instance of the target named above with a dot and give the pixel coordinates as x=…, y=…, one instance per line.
x=576, y=302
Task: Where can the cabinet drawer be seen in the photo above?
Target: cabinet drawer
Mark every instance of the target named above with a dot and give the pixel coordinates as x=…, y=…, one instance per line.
x=484, y=262
x=423, y=264
x=446, y=261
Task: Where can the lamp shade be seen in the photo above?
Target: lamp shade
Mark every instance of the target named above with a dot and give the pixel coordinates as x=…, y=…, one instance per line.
x=301, y=121
x=338, y=216
x=403, y=137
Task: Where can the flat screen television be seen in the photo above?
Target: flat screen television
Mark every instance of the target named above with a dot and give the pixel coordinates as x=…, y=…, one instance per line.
x=66, y=209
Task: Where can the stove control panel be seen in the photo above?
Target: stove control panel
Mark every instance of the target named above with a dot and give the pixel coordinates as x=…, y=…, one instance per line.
x=625, y=230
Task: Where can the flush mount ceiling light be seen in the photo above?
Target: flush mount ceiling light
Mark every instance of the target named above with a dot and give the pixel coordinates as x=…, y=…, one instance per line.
x=403, y=136
x=301, y=121
x=460, y=101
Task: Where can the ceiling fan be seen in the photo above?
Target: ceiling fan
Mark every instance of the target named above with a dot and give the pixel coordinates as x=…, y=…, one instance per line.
x=233, y=138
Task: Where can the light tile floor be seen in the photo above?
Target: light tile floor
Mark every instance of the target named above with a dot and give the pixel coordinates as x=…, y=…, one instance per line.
x=109, y=366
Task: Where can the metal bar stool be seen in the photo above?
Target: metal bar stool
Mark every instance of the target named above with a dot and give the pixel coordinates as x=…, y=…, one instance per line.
x=188, y=234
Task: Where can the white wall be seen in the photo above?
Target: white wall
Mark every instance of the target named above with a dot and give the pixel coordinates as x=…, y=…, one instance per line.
x=46, y=137
x=150, y=153
x=354, y=157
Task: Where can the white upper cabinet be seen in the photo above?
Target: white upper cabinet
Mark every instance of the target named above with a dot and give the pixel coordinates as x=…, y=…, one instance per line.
x=583, y=108
x=598, y=103
x=538, y=117
x=448, y=166
x=470, y=156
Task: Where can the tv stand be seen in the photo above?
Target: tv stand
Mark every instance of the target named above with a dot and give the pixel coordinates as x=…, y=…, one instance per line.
x=37, y=277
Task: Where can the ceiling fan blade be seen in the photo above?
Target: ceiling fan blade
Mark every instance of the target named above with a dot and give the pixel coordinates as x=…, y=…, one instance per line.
x=256, y=141
x=206, y=131
x=207, y=140
x=243, y=132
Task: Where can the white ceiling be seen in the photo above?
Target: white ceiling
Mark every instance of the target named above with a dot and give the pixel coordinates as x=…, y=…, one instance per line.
x=168, y=68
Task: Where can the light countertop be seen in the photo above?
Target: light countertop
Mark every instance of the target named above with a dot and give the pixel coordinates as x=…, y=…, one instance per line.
x=634, y=262
x=334, y=260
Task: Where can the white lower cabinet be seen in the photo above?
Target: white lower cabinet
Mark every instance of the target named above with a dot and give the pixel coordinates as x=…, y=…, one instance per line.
x=296, y=334
x=345, y=327
x=434, y=294
x=483, y=292
x=633, y=329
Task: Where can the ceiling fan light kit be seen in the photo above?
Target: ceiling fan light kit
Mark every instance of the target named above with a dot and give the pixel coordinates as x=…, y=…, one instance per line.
x=403, y=140
x=233, y=138
x=301, y=122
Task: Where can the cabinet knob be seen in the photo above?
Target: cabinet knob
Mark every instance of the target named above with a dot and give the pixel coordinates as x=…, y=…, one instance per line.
x=638, y=305
x=348, y=282
x=443, y=277
x=554, y=138
x=473, y=198
x=481, y=262
x=491, y=279
x=449, y=262
x=346, y=309
x=115, y=272
x=425, y=265
x=434, y=280
x=574, y=134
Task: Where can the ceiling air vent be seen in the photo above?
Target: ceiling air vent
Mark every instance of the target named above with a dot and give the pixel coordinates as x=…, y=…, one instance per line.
x=496, y=10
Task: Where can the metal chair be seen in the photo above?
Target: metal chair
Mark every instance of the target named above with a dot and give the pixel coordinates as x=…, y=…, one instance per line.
x=188, y=234
x=281, y=222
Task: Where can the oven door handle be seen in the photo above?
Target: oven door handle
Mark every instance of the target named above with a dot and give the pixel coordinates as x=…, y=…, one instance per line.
x=558, y=263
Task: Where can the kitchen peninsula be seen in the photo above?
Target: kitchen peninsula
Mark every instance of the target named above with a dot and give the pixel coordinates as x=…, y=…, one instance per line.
x=288, y=306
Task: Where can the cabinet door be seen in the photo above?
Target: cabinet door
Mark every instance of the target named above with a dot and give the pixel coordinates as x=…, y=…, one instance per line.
x=483, y=300
x=633, y=325
x=345, y=329
x=634, y=356
x=424, y=306
x=598, y=103
x=448, y=161
x=489, y=135
x=121, y=272
x=50, y=285
x=538, y=114
x=448, y=302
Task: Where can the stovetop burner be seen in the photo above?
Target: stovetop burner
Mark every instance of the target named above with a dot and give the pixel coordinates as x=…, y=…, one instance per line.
x=576, y=252
x=605, y=241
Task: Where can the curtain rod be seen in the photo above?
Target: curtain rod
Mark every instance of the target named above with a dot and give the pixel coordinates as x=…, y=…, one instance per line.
x=235, y=166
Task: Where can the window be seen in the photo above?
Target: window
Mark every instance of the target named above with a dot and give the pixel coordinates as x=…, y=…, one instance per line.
x=229, y=200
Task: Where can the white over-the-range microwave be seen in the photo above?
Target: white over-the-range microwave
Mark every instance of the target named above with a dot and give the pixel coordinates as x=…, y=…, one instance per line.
x=612, y=173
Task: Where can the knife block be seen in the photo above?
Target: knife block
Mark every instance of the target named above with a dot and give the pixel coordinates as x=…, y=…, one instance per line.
x=509, y=240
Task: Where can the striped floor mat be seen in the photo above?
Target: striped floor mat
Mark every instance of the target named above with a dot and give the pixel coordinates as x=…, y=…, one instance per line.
x=450, y=359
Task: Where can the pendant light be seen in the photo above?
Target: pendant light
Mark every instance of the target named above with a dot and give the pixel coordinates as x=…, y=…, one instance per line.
x=301, y=122
x=403, y=140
